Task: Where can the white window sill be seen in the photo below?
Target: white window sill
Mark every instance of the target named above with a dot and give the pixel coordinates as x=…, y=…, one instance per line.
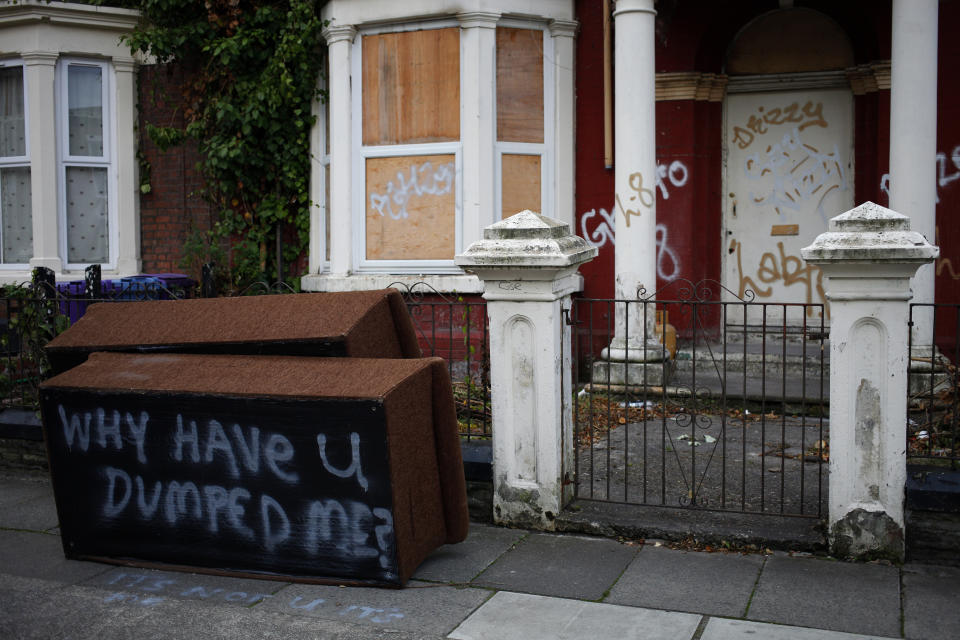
x=452, y=283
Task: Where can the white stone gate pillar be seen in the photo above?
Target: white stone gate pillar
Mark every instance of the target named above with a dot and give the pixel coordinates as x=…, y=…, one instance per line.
x=528, y=264
x=868, y=257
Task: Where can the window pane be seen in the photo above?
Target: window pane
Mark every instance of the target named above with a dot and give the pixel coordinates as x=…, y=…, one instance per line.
x=411, y=208
x=13, y=140
x=519, y=85
x=411, y=87
x=17, y=217
x=85, y=103
x=520, y=188
x=87, y=215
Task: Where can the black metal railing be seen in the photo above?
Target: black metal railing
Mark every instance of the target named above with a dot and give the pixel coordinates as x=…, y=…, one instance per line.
x=721, y=407
x=933, y=410
x=456, y=330
x=33, y=314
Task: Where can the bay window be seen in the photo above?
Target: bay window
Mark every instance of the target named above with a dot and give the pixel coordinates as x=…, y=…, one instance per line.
x=439, y=125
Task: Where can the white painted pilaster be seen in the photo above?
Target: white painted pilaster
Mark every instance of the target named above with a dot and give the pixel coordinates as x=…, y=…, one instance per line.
x=868, y=257
x=478, y=122
x=128, y=199
x=40, y=67
x=913, y=135
x=563, y=33
x=635, y=166
x=528, y=264
x=339, y=39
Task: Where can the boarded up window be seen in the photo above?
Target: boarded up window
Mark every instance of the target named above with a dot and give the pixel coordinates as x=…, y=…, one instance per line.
x=411, y=87
x=521, y=184
x=411, y=208
x=519, y=85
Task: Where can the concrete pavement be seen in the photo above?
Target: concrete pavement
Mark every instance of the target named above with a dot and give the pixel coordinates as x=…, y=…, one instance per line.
x=500, y=584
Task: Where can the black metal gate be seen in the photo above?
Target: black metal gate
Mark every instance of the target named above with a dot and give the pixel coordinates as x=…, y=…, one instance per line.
x=732, y=419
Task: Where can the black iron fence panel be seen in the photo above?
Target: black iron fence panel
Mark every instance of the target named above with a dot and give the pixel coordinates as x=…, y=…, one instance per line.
x=933, y=410
x=701, y=403
x=31, y=315
x=456, y=330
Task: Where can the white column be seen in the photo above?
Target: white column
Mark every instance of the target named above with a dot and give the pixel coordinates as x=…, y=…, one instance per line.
x=528, y=264
x=319, y=200
x=40, y=78
x=340, y=42
x=563, y=33
x=128, y=196
x=635, y=173
x=868, y=257
x=478, y=124
x=913, y=134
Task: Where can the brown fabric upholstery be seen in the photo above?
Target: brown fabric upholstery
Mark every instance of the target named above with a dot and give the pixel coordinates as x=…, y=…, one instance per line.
x=426, y=468
x=355, y=324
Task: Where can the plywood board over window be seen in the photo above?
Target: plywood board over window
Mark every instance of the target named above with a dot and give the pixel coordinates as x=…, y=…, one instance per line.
x=521, y=184
x=411, y=87
x=411, y=208
x=519, y=85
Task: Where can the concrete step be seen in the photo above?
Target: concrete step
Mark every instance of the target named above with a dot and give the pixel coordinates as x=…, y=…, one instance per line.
x=757, y=359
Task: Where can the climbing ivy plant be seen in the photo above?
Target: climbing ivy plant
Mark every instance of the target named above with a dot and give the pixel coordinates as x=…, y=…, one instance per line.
x=250, y=70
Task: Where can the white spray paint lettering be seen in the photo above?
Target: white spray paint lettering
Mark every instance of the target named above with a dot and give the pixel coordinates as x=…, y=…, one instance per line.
x=107, y=431
x=423, y=179
x=798, y=172
x=945, y=174
x=668, y=263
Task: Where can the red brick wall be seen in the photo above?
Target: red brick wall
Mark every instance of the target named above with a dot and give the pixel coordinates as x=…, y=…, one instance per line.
x=170, y=211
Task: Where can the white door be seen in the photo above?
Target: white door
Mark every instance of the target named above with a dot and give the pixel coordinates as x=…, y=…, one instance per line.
x=789, y=169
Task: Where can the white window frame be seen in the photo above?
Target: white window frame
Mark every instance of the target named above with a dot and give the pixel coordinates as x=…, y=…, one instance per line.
x=544, y=149
x=363, y=152
x=13, y=162
x=107, y=160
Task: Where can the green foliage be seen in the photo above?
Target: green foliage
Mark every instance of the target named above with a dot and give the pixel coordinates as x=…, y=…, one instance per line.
x=251, y=69
x=31, y=324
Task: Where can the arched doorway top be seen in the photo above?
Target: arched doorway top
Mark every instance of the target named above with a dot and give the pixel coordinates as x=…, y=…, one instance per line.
x=789, y=41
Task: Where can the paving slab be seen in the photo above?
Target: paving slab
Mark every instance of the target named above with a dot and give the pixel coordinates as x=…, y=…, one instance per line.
x=40, y=555
x=31, y=514
x=520, y=616
x=421, y=608
x=464, y=561
x=563, y=566
x=83, y=613
x=710, y=583
x=823, y=594
x=931, y=602
x=27, y=503
x=719, y=629
x=134, y=585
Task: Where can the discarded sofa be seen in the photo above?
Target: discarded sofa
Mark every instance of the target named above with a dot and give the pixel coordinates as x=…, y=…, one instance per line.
x=342, y=470
x=353, y=324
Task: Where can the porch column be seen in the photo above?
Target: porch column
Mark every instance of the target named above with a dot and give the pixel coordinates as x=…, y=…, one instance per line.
x=635, y=199
x=39, y=68
x=528, y=264
x=339, y=39
x=868, y=256
x=913, y=135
